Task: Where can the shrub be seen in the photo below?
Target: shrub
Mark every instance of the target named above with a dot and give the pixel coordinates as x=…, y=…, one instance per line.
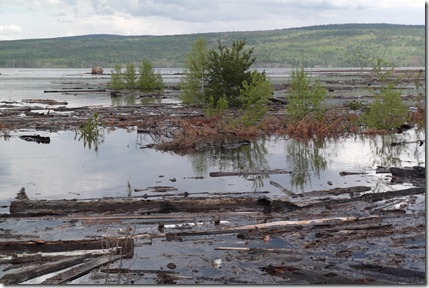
x=129, y=76
x=149, y=80
x=387, y=111
x=305, y=97
x=192, y=85
x=117, y=81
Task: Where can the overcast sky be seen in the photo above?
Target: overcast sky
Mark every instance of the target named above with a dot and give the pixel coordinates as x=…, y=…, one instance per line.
x=25, y=19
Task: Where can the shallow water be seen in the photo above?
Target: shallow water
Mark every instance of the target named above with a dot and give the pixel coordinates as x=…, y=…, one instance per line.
x=66, y=168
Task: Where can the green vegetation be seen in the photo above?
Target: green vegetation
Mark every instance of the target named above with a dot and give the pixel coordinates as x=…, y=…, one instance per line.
x=305, y=97
x=147, y=80
x=387, y=111
x=196, y=64
x=328, y=45
x=219, y=79
x=92, y=132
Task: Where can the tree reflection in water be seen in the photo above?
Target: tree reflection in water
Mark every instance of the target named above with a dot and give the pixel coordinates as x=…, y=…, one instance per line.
x=306, y=160
x=91, y=132
x=246, y=158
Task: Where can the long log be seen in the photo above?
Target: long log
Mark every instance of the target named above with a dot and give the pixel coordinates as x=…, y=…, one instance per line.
x=11, y=247
x=63, y=207
x=263, y=172
x=79, y=271
x=39, y=270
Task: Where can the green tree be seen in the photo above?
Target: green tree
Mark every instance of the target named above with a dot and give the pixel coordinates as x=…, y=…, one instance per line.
x=192, y=85
x=116, y=80
x=253, y=98
x=305, y=96
x=129, y=76
x=149, y=80
x=227, y=69
x=387, y=111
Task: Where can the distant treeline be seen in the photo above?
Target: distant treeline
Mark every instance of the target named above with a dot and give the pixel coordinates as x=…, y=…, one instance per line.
x=315, y=46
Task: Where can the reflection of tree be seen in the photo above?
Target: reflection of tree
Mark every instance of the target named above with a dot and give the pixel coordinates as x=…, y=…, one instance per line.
x=131, y=99
x=245, y=158
x=384, y=154
x=304, y=158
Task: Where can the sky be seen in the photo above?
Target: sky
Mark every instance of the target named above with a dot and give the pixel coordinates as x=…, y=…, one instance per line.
x=27, y=19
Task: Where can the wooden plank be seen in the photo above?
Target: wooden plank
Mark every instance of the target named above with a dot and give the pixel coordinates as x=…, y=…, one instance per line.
x=81, y=270
x=11, y=247
x=39, y=270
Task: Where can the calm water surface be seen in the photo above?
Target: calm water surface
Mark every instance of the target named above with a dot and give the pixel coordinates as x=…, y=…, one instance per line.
x=67, y=168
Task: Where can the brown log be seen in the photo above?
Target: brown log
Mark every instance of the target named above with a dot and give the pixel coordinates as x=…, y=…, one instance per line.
x=34, y=246
x=39, y=270
x=81, y=270
x=62, y=207
x=222, y=174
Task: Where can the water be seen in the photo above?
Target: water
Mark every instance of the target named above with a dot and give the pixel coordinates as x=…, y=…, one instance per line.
x=67, y=169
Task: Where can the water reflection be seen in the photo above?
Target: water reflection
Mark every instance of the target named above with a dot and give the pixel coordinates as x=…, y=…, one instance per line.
x=91, y=132
x=388, y=155
x=246, y=158
x=306, y=159
x=131, y=100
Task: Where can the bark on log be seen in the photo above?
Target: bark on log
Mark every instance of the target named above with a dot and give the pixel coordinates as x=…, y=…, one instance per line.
x=32, y=272
x=62, y=207
x=10, y=247
x=79, y=271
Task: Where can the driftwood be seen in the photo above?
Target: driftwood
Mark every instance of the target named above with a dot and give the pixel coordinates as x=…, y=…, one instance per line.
x=192, y=205
x=39, y=270
x=74, y=90
x=34, y=246
x=36, y=138
x=284, y=190
x=263, y=172
x=45, y=101
x=79, y=271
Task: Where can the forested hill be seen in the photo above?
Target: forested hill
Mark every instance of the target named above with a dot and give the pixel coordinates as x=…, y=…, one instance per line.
x=317, y=46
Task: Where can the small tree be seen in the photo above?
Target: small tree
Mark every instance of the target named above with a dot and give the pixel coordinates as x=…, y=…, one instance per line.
x=387, y=111
x=192, y=84
x=116, y=81
x=130, y=76
x=254, y=97
x=149, y=80
x=306, y=96
x=227, y=69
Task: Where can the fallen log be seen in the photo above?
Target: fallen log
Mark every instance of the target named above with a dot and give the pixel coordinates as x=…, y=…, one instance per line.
x=81, y=270
x=75, y=90
x=45, y=101
x=263, y=172
x=192, y=205
x=39, y=270
x=126, y=245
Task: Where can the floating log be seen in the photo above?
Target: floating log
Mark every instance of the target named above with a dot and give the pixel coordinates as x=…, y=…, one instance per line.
x=345, y=173
x=34, y=246
x=39, y=270
x=36, y=138
x=63, y=207
x=75, y=91
x=263, y=172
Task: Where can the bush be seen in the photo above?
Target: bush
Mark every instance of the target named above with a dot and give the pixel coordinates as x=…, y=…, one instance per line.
x=148, y=79
x=305, y=97
x=253, y=98
x=192, y=85
x=387, y=111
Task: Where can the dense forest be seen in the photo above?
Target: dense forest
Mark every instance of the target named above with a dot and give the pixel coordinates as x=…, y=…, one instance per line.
x=315, y=46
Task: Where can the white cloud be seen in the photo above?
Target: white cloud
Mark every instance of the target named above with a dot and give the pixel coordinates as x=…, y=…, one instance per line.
x=10, y=28
x=54, y=18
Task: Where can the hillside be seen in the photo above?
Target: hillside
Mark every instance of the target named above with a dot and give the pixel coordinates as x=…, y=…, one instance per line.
x=325, y=46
